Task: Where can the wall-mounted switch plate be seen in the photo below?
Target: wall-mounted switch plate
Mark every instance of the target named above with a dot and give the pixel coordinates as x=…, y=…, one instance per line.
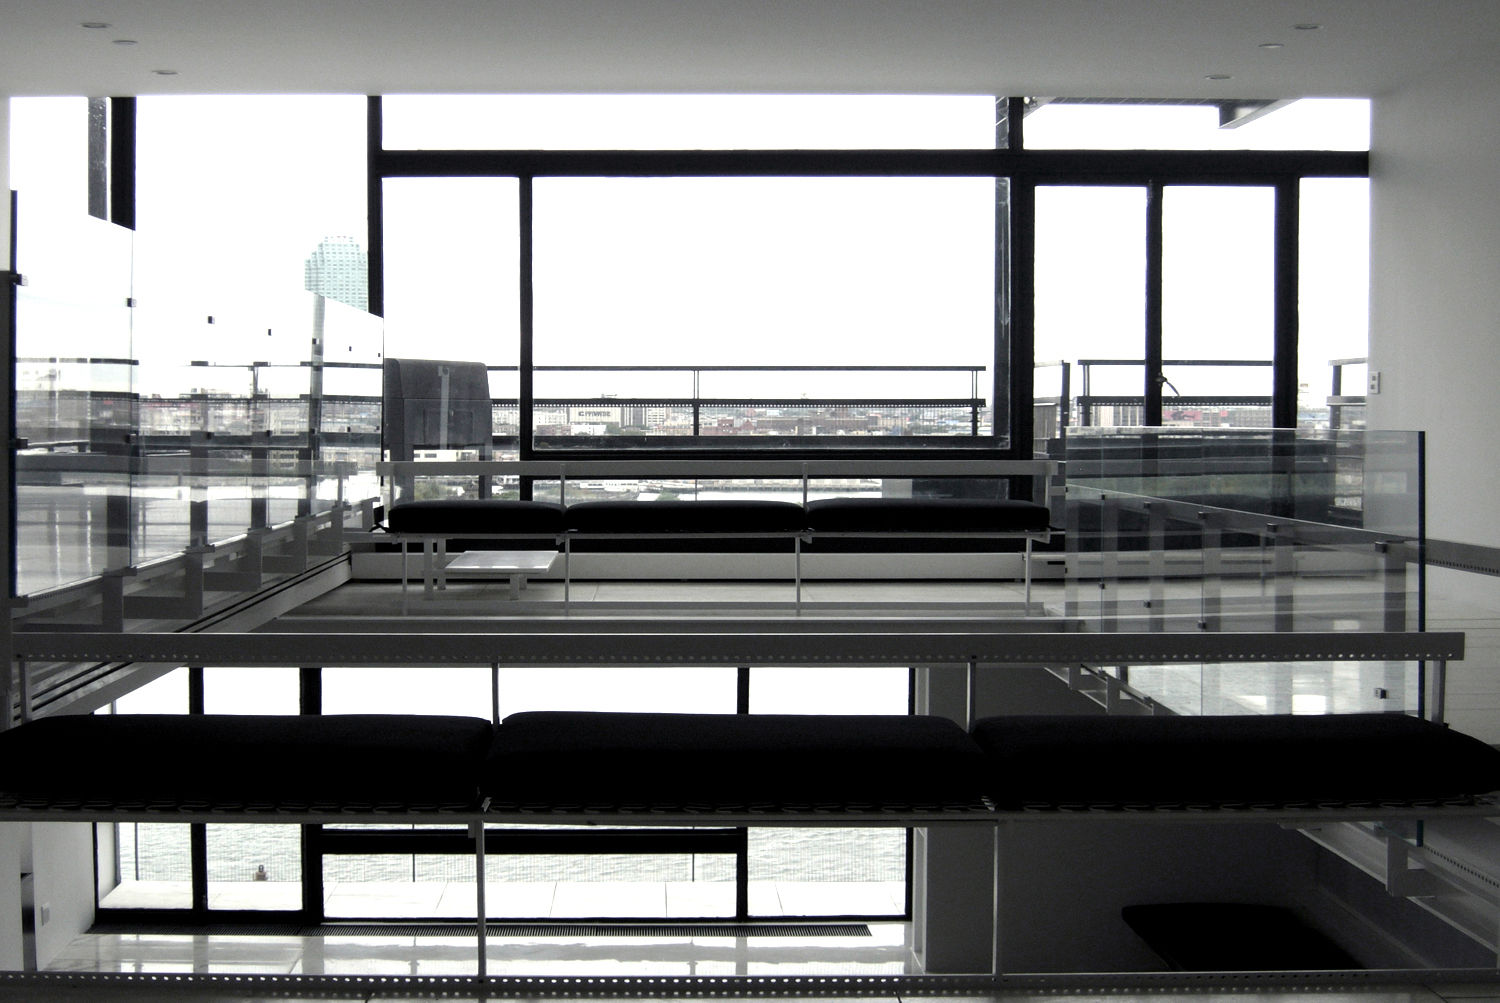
x=1374, y=382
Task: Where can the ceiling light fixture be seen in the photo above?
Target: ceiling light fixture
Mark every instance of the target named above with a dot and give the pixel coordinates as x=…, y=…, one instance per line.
x=1218, y=76
x=165, y=73
x=1307, y=26
x=124, y=41
x=1272, y=45
x=93, y=25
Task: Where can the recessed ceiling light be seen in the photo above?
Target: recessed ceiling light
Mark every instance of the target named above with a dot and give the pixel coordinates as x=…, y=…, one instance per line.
x=124, y=41
x=1272, y=45
x=165, y=73
x=1307, y=26
x=1218, y=76
x=94, y=25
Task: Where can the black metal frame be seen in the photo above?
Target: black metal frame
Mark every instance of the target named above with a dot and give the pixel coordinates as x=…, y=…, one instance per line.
x=1014, y=316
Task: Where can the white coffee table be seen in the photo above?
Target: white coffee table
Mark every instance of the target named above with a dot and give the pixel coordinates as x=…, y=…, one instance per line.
x=516, y=565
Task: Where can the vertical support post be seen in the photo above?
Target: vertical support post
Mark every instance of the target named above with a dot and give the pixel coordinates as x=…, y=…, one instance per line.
x=260, y=473
x=797, y=568
x=24, y=693
x=1109, y=562
x=1211, y=585
x=1284, y=570
x=481, y=910
x=198, y=487
x=404, y=605
x=1026, y=562
x=1432, y=689
x=971, y=695
x=1156, y=575
x=495, y=693
x=1393, y=585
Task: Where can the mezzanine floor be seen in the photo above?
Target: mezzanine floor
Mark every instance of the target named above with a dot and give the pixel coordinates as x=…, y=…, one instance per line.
x=1456, y=602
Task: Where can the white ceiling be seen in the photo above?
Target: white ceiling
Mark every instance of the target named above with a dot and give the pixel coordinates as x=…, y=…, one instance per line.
x=1102, y=48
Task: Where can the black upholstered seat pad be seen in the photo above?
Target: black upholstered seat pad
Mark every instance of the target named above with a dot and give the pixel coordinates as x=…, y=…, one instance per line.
x=460, y=516
x=351, y=758
x=566, y=758
x=925, y=515
x=676, y=516
x=1228, y=759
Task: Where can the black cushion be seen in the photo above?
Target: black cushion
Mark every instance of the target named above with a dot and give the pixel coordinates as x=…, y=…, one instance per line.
x=937, y=516
x=676, y=516
x=228, y=758
x=1277, y=759
x=1234, y=937
x=565, y=758
x=462, y=516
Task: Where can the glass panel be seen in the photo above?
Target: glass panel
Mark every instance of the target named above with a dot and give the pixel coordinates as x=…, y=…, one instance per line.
x=1090, y=289
x=1333, y=303
x=260, y=689
x=1218, y=306
x=1129, y=124
x=779, y=310
x=533, y=886
x=451, y=689
x=251, y=274
x=827, y=872
x=152, y=863
x=254, y=867
x=452, y=283
x=1244, y=530
x=833, y=872
x=152, y=868
x=75, y=384
x=76, y=407
x=686, y=122
x=1281, y=687
x=784, y=689
x=666, y=689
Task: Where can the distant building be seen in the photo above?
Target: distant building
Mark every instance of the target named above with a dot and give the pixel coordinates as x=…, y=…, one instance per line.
x=339, y=269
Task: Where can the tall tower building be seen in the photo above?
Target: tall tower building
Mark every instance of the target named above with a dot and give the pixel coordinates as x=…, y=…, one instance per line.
x=338, y=269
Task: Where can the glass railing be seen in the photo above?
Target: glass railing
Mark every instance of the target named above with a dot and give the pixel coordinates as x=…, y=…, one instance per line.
x=121, y=461
x=1249, y=530
x=1275, y=528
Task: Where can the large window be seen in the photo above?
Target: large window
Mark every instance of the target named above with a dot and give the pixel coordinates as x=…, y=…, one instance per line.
x=716, y=281
x=775, y=310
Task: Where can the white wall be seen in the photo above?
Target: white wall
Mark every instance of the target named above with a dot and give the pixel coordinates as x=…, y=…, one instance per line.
x=5, y=262
x=1435, y=286
x=63, y=858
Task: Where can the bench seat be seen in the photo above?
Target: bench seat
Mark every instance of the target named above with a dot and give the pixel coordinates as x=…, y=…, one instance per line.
x=210, y=760
x=714, y=525
x=564, y=761
x=925, y=516
x=458, y=517
x=1273, y=760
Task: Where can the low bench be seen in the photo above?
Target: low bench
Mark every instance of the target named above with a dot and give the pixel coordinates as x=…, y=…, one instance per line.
x=566, y=768
x=827, y=524
x=556, y=762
